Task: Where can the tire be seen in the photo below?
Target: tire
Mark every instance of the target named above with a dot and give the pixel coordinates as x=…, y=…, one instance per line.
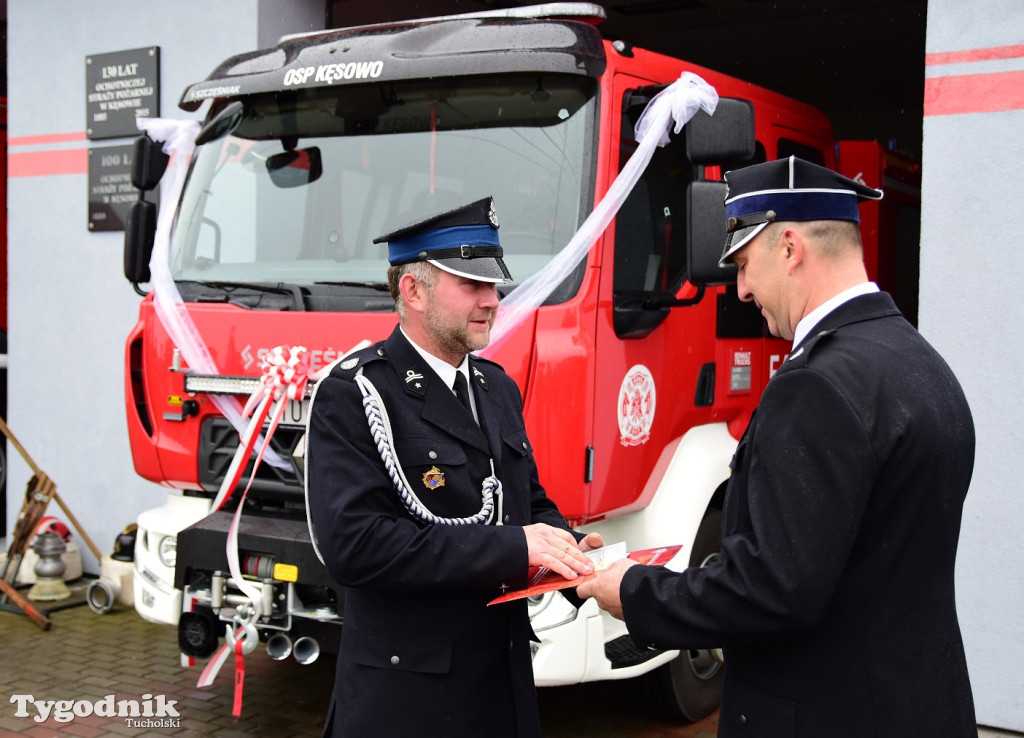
x=689, y=687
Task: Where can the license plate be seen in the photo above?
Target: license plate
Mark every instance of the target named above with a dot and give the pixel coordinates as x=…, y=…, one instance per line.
x=295, y=412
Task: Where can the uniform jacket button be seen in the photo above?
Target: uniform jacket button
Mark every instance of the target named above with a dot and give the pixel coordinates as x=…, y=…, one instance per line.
x=432, y=454
x=507, y=519
x=743, y=719
x=395, y=660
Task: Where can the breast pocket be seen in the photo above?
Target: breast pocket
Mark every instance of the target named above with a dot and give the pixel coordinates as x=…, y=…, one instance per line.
x=517, y=443
x=439, y=474
x=439, y=460
x=517, y=450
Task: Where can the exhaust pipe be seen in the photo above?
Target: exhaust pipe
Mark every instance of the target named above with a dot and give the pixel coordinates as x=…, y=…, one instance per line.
x=306, y=650
x=279, y=646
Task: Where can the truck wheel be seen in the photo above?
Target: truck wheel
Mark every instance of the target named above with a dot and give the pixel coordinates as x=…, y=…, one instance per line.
x=689, y=687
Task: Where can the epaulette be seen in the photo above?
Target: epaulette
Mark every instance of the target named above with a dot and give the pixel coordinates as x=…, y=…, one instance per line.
x=348, y=366
x=802, y=355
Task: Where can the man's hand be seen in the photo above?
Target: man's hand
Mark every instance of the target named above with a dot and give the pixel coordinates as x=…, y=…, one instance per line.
x=557, y=550
x=605, y=588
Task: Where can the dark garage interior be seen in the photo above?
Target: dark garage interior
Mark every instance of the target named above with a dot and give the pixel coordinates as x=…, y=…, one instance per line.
x=859, y=61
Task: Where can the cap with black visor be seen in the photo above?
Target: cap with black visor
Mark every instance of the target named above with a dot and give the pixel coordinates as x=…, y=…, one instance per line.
x=463, y=241
x=789, y=189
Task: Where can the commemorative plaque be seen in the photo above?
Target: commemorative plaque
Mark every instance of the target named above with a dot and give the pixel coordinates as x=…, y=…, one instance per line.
x=120, y=87
x=111, y=193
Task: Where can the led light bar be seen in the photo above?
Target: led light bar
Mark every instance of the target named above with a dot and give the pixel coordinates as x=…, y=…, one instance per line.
x=217, y=384
x=214, y=384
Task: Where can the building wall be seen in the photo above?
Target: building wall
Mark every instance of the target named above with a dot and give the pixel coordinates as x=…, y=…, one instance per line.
x=70, y=306
x=970, y=303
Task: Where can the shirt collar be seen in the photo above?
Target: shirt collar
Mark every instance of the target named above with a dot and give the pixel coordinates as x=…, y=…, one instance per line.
x=815, y=316
x=442, y=368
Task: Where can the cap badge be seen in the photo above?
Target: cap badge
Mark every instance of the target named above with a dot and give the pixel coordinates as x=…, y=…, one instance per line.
x=492, y=215
x=434, y=478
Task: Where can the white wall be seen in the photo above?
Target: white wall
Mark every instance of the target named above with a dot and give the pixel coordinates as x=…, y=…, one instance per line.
x=971, y=310
x=70, y=308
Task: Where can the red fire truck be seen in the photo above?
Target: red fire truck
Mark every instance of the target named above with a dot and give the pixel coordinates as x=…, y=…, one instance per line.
x=639, y=372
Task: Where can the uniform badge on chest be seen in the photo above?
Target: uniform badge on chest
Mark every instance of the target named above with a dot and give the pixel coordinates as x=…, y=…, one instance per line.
x=434, y=478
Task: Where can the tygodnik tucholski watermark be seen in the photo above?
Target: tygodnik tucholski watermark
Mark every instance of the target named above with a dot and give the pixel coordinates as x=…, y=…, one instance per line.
x=152, y=711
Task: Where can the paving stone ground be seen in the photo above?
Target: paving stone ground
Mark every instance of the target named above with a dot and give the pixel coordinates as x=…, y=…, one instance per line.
x=84, y=657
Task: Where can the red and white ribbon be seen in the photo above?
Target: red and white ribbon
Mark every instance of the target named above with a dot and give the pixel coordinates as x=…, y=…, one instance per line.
x=285, y=374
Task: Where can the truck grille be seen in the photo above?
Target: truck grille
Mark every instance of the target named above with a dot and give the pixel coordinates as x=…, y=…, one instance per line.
x=218, y=442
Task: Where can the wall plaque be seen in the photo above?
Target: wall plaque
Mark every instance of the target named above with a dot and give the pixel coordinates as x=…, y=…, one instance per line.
x=111, y=193
x=120, y=87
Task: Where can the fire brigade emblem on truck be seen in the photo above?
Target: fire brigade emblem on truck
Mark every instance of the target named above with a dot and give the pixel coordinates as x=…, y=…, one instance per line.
x=637, y=400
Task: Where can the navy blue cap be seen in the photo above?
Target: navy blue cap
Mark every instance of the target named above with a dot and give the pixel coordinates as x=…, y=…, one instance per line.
x=786, y=190
x=463, y=241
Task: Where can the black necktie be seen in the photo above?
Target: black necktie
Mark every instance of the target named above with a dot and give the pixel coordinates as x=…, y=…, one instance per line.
x=462, y=391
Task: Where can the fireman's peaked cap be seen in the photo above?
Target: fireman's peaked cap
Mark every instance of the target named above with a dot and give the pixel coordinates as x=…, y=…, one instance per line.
x=786, y=190
x=463, y=241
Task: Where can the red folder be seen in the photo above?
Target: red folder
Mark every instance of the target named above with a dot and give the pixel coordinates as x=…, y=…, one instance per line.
x=542, y=580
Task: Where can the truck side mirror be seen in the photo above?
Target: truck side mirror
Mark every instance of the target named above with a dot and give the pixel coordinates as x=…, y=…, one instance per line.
x=149, y=162
x=139, y=234
x=725, y=138
x=705, y=217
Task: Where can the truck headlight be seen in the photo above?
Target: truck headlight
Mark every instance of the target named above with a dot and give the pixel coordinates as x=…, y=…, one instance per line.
x=550, y=610
x=168, y=551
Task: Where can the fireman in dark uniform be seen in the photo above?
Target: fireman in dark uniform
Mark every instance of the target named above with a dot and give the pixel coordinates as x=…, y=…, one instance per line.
x=424, y=508
x=833, y=597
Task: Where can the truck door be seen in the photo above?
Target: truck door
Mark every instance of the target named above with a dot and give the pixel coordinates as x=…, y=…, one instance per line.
x=648, y=359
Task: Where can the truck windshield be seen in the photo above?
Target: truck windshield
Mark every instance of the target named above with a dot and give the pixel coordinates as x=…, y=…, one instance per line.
x=299, y=189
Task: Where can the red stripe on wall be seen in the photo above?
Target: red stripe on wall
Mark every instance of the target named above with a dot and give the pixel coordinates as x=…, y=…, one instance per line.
x=48, y=138
x=48, y=163
x=974, y=93
x=974, y=55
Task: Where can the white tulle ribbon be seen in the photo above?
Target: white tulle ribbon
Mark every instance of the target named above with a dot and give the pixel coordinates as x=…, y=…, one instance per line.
x=178, y=138
x=677, y=104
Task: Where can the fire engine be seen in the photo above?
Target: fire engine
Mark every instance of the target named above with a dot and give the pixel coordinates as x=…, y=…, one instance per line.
x=639, y=371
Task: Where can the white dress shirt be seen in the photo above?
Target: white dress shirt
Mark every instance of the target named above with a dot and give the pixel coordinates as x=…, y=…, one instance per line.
x=446, y=371
x=815, y=316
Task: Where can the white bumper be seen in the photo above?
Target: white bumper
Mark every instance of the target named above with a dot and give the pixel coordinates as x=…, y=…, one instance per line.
x=156, y=599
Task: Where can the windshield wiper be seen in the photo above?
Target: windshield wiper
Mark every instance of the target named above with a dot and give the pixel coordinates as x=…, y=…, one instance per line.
x=377, y=286
x=282, y=288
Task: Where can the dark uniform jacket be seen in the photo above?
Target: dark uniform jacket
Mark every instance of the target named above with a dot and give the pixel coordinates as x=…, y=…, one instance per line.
x=834, y=594
x=421, y=652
